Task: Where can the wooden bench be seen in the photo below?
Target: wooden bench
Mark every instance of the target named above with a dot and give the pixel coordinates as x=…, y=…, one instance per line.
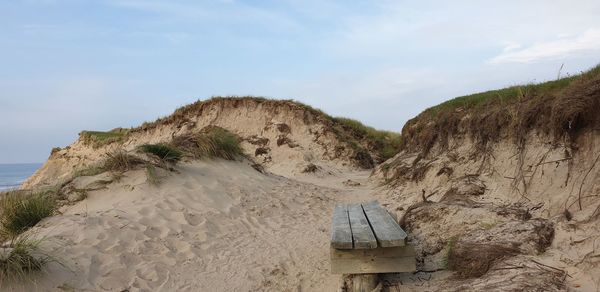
x=366, y=240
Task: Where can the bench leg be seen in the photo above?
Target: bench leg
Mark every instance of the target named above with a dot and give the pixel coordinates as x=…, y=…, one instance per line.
x=365, y=283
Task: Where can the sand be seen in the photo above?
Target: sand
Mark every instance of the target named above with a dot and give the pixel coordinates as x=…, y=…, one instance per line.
x=212, y=226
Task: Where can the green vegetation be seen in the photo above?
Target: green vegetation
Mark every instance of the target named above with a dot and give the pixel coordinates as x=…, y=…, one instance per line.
x=98, y=138
x=513, y=92
x=559, y=108
x=209, y=143
x=164, y=152
x=488, y=226
x=151, y=175
x=89, y=171
x=385, y=143
x=121, y=161
x=21, y=256
x=21, y=211
x=449, y=249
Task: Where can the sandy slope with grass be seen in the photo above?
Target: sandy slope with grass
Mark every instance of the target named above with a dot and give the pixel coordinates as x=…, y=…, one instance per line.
x=209, y=226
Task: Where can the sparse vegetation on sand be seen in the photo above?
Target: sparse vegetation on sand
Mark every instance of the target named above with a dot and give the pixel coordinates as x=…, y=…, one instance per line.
x=21, y=211
x=20, y=256
x=164, y=152
x=89, y=171
x=559, y=108
x=98, y=138
x=121, y=161
x=210, y=142
x=151, y=176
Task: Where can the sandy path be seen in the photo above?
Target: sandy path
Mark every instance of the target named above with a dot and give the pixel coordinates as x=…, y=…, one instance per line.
x=216, y=226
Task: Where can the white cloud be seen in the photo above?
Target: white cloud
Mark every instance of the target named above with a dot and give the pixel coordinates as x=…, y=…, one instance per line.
x=587, y=42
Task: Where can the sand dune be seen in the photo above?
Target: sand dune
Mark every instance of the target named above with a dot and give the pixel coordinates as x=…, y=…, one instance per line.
x=212, y=226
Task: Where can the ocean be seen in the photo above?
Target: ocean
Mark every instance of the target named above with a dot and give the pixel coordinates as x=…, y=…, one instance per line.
x=13, y=175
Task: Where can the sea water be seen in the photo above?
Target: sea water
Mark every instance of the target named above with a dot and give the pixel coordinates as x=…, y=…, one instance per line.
x=13, y=175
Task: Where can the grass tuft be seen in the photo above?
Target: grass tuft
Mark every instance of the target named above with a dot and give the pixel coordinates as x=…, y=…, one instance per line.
x=20, y=257
x=22, y=211
x=211, y=142
x=89, y=171
x=164, y=152
x=151, y=176
x=121, y=161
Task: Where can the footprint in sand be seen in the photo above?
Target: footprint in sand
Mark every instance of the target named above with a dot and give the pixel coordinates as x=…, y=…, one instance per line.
x=193, y=219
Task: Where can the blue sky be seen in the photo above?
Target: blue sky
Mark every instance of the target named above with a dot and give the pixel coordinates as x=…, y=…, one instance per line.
x=72, y=65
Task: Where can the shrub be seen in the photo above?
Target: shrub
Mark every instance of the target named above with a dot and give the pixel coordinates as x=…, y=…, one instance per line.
x=23, y=211
x=164, y=152
x=21, y=256
x=210, y=142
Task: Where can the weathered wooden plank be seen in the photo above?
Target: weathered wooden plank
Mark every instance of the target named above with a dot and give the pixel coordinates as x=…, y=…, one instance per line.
x=382, y=252
x=398, y=259
x=362, y=235
x=386, y=229
x=341, y=235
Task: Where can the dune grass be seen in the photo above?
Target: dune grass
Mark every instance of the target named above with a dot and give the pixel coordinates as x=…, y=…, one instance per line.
x=99, y=138
x=21, y=256
x=512, y=92
x=151, y=176
x=164, y=152
x=211, y=142
x=121, y=161
x=89, y=171
x=21, y=211
x=559, y=108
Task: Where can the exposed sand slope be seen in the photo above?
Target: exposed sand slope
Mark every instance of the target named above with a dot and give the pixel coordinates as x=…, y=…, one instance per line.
x=213, y=226
x=542, y=180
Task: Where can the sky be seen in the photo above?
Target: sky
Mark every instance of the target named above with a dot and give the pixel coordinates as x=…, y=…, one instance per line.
x=72, y=65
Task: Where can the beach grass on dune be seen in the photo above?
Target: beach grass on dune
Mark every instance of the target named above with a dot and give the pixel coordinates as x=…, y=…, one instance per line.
x=164, y=152
x=99, y=138
x=20, y=256
x=211, y=142
x=21, y=211
x=121, y=161
x=512, y=92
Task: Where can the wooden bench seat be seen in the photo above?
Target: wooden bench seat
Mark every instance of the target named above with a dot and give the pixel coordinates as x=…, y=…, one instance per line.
x=366, y=239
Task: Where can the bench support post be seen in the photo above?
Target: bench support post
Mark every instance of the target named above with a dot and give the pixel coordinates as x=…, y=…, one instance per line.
x=364, y=282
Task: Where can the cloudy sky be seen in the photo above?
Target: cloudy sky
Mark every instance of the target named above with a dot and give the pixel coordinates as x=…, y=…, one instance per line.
x=70, y=65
